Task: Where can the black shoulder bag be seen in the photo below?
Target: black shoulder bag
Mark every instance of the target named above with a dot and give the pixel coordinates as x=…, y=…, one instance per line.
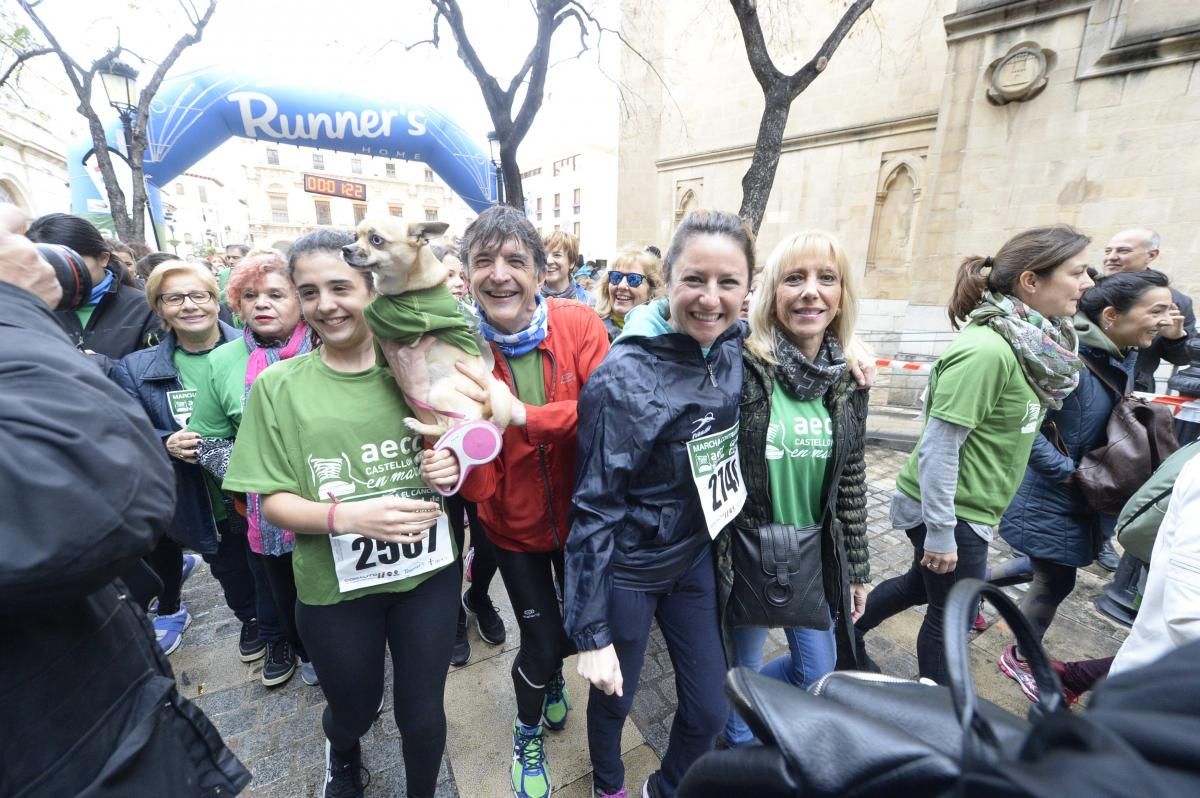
x=865, y=734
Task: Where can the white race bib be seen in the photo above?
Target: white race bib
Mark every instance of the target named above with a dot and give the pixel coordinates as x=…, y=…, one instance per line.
x=360, y=561
x=181, y=404
x=718, y=476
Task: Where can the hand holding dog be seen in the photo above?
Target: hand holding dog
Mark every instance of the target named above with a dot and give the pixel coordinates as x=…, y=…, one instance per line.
x=480, y=392
x=388, y=518
x=439, y=469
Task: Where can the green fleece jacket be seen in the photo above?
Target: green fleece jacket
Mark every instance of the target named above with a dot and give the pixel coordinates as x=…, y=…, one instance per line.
x=432, y=311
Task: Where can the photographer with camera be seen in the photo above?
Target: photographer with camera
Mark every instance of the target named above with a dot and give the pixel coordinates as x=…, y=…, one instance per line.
x=88, y=700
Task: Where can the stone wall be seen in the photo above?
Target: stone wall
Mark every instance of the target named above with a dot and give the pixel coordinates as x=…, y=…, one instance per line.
x=899, y=149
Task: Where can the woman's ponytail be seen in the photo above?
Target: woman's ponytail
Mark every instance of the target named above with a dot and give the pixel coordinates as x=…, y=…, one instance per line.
x=1040, y=250
x=969, y=286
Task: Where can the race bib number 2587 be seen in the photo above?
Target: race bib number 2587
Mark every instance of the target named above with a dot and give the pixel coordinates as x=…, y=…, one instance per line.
x=361, y=561
x=718, y=477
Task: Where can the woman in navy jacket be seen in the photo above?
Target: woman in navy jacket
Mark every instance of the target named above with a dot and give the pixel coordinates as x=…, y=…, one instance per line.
x=164, y=379
x=658, y=479
x=1049, y=520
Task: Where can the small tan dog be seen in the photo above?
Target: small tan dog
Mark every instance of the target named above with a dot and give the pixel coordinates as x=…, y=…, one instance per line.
x=399, y=256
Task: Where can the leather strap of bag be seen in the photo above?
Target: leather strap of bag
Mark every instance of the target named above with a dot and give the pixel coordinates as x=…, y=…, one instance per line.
x=1099, y=374
x=980, y=743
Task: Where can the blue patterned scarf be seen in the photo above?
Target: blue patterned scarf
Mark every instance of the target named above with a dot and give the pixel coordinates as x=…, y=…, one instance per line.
x=522, y=342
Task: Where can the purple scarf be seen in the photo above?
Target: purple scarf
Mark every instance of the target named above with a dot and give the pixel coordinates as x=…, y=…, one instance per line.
x=265, y=537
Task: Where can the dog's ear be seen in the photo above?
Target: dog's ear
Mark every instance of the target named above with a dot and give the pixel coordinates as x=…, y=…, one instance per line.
x=427, y=230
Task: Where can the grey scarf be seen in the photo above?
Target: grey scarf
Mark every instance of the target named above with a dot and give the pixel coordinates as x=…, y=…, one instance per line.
x=807, y=379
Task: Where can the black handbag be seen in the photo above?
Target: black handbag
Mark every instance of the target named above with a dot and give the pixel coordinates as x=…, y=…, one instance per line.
x=862, y=734
x=778, y=577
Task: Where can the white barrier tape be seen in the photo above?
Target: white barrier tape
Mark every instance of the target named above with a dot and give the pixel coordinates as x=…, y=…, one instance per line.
x=904, y=365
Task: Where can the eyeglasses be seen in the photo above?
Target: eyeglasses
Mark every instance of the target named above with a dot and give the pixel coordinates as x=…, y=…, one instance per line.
x=197, y=297
x=633, y=278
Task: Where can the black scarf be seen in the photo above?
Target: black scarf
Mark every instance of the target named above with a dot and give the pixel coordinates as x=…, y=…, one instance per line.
x=803, y=378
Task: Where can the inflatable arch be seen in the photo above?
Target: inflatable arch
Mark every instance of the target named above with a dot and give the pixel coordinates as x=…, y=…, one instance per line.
x=194, y=113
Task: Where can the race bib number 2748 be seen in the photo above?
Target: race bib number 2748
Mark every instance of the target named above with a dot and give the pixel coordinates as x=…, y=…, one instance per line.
x=718, y=477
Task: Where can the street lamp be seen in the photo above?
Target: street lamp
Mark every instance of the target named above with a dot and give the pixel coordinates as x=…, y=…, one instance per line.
x=494, y=151
x=120, y=85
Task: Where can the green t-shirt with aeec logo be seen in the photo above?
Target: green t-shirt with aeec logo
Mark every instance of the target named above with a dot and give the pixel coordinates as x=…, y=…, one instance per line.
x=325, y=435
x=978, y=384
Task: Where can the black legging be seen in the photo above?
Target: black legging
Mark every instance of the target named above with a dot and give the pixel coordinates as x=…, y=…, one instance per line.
x=346, y=644
x=919, y=586
x=483, y=567
x=1052, y=583
x=167, y=562
x=282, y=581
x=531, y=579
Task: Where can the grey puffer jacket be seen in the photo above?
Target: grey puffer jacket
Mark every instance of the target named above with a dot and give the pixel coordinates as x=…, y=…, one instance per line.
x=845, y=557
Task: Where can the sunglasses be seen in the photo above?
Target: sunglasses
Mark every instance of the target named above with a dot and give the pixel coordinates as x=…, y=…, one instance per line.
x=634, y=279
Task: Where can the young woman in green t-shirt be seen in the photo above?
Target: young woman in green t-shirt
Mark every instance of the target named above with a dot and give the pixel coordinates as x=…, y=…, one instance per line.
x=322, y=440
x=987, y=396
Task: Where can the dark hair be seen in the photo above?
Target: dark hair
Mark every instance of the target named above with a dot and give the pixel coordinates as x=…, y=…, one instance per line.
x=326, y=240
x=1040, y=250
x=70, y=231
x=242, y=248
x=120, y=246
x=1120, y=291
x=715, y=223
x=655, y=251
x=497, y=225
x=147, y=264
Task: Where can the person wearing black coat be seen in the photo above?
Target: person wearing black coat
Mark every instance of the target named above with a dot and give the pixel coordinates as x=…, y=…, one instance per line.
x=164, y=379
x=115, y=320
x=1049, y=519
x=657, y=481
x=89, y=703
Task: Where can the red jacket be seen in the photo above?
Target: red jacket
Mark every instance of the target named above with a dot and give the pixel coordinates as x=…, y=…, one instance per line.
x=524, y=495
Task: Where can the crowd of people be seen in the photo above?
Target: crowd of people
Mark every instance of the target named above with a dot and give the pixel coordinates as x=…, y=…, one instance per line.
x=676, y=419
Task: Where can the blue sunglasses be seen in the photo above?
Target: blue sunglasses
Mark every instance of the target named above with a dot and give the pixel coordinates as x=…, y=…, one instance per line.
x=634, y=279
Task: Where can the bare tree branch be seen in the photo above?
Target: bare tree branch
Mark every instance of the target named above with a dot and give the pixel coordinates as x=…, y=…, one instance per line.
x=128, y=219
x=21, y=59
x=800, y=81
x=779, y=91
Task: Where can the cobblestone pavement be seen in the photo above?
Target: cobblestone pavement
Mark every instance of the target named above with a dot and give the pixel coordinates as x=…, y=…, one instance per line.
x=277, y=733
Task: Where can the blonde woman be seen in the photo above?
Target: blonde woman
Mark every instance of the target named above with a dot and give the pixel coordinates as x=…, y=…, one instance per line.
x=634, y=278
x=165, y=379
x=800, y=444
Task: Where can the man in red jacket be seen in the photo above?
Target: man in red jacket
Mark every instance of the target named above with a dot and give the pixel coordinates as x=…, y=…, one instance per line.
x=545, y=350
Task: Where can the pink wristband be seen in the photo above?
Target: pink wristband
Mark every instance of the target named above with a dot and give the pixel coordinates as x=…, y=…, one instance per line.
x=329, y=516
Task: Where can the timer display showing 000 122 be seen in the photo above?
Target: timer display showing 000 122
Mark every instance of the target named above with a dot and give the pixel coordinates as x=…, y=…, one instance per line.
x=332, y=187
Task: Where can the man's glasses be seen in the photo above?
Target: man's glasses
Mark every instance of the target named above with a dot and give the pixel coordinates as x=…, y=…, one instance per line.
x=633, y=278
x=197, y=297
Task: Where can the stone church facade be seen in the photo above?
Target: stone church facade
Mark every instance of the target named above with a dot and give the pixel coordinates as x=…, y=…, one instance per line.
x=938, y=130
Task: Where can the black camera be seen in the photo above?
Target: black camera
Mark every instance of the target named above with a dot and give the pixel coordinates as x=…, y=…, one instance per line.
x=72, y=273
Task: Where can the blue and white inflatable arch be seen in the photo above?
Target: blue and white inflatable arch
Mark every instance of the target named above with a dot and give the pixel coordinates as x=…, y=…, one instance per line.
x=196, y=112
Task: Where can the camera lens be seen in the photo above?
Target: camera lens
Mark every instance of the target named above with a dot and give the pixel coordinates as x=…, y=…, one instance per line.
x=72, y=274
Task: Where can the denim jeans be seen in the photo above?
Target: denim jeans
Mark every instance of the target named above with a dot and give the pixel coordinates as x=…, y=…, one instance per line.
x=812, y=653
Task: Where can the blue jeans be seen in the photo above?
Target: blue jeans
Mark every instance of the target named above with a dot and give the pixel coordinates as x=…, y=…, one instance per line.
x=812, y=654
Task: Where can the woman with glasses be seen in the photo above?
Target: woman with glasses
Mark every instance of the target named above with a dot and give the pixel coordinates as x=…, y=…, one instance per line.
x=164, y=379
x=634, y=278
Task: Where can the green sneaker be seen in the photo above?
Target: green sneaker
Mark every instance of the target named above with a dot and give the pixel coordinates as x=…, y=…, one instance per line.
x=556, y=706
x=530, y=771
